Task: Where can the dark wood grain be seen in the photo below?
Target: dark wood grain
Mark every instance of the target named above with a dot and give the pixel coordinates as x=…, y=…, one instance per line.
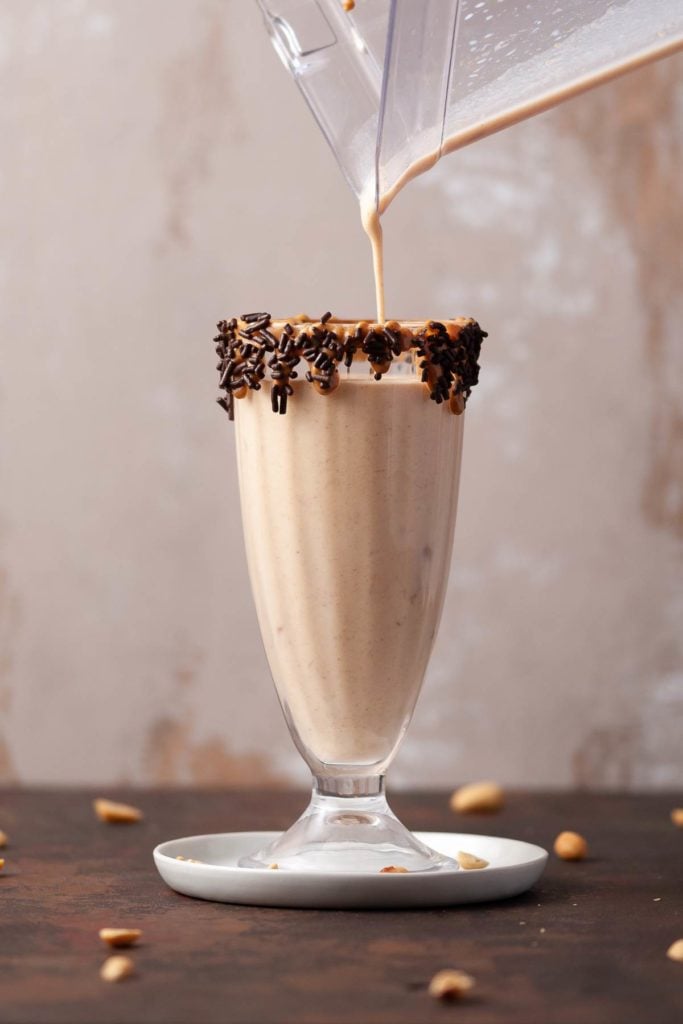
x=600, y=960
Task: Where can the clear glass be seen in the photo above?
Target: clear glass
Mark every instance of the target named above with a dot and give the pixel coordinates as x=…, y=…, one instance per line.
x=348, y=507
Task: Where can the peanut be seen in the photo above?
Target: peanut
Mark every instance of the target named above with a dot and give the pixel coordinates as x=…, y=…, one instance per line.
x=477, y=797
x=107, y=810
x=116, y=968
x=450, y=984
x=3, y=839
x=2, y=863
x=393, y=869
x=676, y=817
x=570, y=846
x=120, y=936
x=469, y=862
x=457, y=404
x=348, y=5
x=675, y=951
x=273, y=867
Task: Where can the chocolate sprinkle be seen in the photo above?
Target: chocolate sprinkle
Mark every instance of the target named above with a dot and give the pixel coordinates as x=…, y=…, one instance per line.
x=448, y=355
x=249, y=318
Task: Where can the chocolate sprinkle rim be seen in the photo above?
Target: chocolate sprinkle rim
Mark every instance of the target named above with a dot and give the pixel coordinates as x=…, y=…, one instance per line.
x=447, y=355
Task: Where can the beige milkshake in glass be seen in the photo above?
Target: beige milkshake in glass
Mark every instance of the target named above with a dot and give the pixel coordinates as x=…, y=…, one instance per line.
x=349, y=439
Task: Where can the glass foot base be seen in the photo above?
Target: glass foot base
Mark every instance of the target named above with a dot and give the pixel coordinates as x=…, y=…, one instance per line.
x=348, y=834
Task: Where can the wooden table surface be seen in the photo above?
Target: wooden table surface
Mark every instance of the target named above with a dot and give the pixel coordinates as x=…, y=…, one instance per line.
x=607, y=922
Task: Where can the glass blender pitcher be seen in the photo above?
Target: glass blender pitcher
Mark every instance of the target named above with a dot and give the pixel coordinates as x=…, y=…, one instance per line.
x=395, y=84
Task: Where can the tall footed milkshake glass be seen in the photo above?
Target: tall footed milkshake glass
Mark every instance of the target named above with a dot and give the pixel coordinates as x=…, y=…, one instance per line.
x=348, y=498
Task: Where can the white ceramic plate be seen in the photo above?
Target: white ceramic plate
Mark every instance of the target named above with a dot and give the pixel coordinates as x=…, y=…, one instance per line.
x=514, y=866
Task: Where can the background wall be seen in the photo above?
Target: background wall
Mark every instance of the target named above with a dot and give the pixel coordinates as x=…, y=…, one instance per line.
x=158, y=171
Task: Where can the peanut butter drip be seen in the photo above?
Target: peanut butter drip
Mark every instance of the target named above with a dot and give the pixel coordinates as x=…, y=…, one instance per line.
x=253, y=345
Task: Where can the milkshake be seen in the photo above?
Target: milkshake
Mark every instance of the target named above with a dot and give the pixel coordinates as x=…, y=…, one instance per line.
x=348, y=509
x=348, y=497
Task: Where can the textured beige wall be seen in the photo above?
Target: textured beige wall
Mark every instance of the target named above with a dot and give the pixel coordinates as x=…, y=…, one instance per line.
x=157, y=171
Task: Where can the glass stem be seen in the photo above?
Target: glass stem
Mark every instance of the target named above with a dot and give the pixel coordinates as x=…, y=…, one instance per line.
x=349, y=799
x=348, y=786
